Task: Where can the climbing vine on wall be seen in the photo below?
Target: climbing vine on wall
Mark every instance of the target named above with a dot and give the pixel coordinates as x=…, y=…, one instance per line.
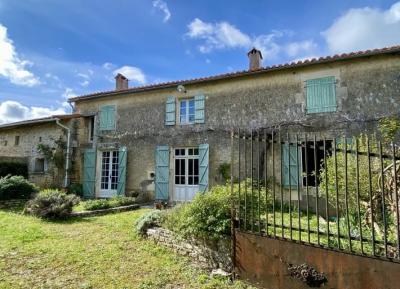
x=55, y=154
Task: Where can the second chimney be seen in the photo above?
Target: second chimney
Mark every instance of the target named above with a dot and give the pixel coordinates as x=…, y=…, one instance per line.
x=121, y=82
x=255, y=58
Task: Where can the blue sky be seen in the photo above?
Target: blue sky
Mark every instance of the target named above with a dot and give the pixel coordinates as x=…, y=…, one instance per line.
x=54, y=49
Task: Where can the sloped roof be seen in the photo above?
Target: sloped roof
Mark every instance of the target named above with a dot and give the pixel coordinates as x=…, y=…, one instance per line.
x=300, y=63
x=39, y=120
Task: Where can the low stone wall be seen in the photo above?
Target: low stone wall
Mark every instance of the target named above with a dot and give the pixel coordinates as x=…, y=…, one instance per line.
x=105, y=211
x=208, y=255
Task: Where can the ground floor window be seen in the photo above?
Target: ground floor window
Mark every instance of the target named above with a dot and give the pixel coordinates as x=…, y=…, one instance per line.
x=109, y=170
x=187, y=166
x=186, y=174
x=39, y=165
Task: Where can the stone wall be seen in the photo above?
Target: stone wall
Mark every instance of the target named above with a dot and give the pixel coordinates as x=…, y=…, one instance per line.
x=30, y=136
x=208, y=255
x=366, y=89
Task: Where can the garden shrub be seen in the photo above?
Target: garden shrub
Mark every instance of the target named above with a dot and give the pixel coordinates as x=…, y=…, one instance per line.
x=13, y=169
x=208, y=216
x=52, y=204
x=16, y=187
x=148, y=220
x=99, y=204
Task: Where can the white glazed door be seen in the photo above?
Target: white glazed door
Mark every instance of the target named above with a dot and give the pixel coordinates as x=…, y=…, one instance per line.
x=186, y=174
x=109, y=174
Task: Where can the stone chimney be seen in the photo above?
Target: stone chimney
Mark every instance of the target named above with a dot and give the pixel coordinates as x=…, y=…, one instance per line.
x=121, y=82
x=255, y=58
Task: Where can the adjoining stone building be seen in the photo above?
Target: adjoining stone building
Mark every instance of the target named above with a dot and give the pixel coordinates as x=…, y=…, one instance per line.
x=171, y=140
x=42, y=144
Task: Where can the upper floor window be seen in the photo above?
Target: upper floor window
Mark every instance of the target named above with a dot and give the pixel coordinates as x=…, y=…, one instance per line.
x=17, y=139
x=321, y=95
x=186, y=111
x=107, y=117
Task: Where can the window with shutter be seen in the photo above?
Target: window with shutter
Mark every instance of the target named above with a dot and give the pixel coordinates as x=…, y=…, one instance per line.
x=107, y=117
x=321, y=95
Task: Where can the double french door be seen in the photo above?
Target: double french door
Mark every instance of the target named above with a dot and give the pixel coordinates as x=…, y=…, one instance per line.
x=186, y=174
x=109, y=174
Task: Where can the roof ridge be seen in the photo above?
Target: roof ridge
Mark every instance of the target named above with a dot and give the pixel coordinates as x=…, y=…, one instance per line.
x=304, y=62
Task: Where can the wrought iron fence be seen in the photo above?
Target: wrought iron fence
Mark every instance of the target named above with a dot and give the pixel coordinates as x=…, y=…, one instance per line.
x=331, y=191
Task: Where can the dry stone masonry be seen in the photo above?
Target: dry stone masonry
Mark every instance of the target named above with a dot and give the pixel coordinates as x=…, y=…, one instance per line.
x=208, y=255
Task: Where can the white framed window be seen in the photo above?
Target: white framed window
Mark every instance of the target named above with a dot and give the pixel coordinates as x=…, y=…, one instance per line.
x=187, y=166
x=187, y=111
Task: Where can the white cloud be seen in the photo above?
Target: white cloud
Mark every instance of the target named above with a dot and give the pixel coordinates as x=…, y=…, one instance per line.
x=223, y=35
x=12, y=111
x=68, y=93
x=132, y=73
x=11, y=66
x=108, y=65
x=161, y=5
x=217, y=35
x=296, y=48
x=364, y=28
x=84, y=83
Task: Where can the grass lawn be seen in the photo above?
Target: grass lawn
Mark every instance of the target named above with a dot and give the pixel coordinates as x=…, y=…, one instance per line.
x=95, y=252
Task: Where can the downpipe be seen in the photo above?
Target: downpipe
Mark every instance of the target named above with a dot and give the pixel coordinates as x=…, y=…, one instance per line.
x=68, y=156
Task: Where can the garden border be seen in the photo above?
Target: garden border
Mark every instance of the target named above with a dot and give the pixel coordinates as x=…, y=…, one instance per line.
x=105, y=211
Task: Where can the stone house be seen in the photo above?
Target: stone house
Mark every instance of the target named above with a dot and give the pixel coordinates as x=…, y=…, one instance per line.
x=168, y=141
x=22, y=142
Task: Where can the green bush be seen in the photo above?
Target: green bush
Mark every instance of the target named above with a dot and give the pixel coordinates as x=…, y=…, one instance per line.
x=16, y=187
x=148, y=220
x=98, y=204
x=208, y=216
x=75, y=189
x=52, y=204
x=13, y=169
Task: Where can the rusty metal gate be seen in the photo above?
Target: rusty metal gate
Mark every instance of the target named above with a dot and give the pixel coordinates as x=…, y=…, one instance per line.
x=314, y=209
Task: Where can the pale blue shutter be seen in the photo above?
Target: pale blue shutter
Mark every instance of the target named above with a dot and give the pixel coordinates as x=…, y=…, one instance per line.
x=203, y=167
x=103, y=116
x=123, y=155
x=321, y=95
x=199, y=108
x=111, y=117
x=162, y=173
x=170, y=113
x=107, y=117
x=89, y=173
x=290, y=151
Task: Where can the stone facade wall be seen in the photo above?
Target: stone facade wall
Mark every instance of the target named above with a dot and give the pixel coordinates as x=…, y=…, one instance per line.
x=366, y=89
x=207, y=255
x=30, y=136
